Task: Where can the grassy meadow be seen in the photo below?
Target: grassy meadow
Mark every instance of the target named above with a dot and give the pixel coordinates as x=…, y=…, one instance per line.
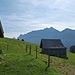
x=14, y=60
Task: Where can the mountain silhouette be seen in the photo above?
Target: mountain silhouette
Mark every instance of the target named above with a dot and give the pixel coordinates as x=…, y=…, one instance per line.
x=67, y=36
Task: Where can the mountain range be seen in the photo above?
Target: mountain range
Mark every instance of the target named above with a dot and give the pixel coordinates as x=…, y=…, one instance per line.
x=67, y=36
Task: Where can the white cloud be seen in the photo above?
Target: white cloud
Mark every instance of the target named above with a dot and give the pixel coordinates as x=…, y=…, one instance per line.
x=60, y=4
x=28, y=15
x=11, y=34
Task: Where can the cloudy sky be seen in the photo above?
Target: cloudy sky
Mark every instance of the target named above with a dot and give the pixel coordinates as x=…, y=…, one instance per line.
x=23, y=16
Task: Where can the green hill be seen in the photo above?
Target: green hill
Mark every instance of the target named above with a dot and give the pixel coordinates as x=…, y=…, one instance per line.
x=15, y=61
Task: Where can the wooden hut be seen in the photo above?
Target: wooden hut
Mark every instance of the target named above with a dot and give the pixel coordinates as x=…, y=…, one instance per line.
x=1, y=31
x=72, y=49
x=54, y=47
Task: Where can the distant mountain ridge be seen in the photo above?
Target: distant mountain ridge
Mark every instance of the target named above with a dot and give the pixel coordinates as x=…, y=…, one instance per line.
x=67, y=36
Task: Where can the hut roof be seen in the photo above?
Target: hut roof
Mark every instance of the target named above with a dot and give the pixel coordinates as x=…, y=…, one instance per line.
x=51, y=43
x=1, y=28
x=1, y=31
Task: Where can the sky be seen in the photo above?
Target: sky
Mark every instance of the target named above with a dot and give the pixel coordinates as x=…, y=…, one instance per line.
x=23, y=16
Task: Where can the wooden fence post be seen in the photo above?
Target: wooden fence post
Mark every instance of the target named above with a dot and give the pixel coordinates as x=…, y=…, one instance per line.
x=36, y=52
x=48, y=58
x=30, y=49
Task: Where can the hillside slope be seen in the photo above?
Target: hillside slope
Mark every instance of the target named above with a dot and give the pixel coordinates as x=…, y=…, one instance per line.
x=15, y=61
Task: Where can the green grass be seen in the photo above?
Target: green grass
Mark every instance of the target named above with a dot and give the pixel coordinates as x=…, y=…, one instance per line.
x=15, y=61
